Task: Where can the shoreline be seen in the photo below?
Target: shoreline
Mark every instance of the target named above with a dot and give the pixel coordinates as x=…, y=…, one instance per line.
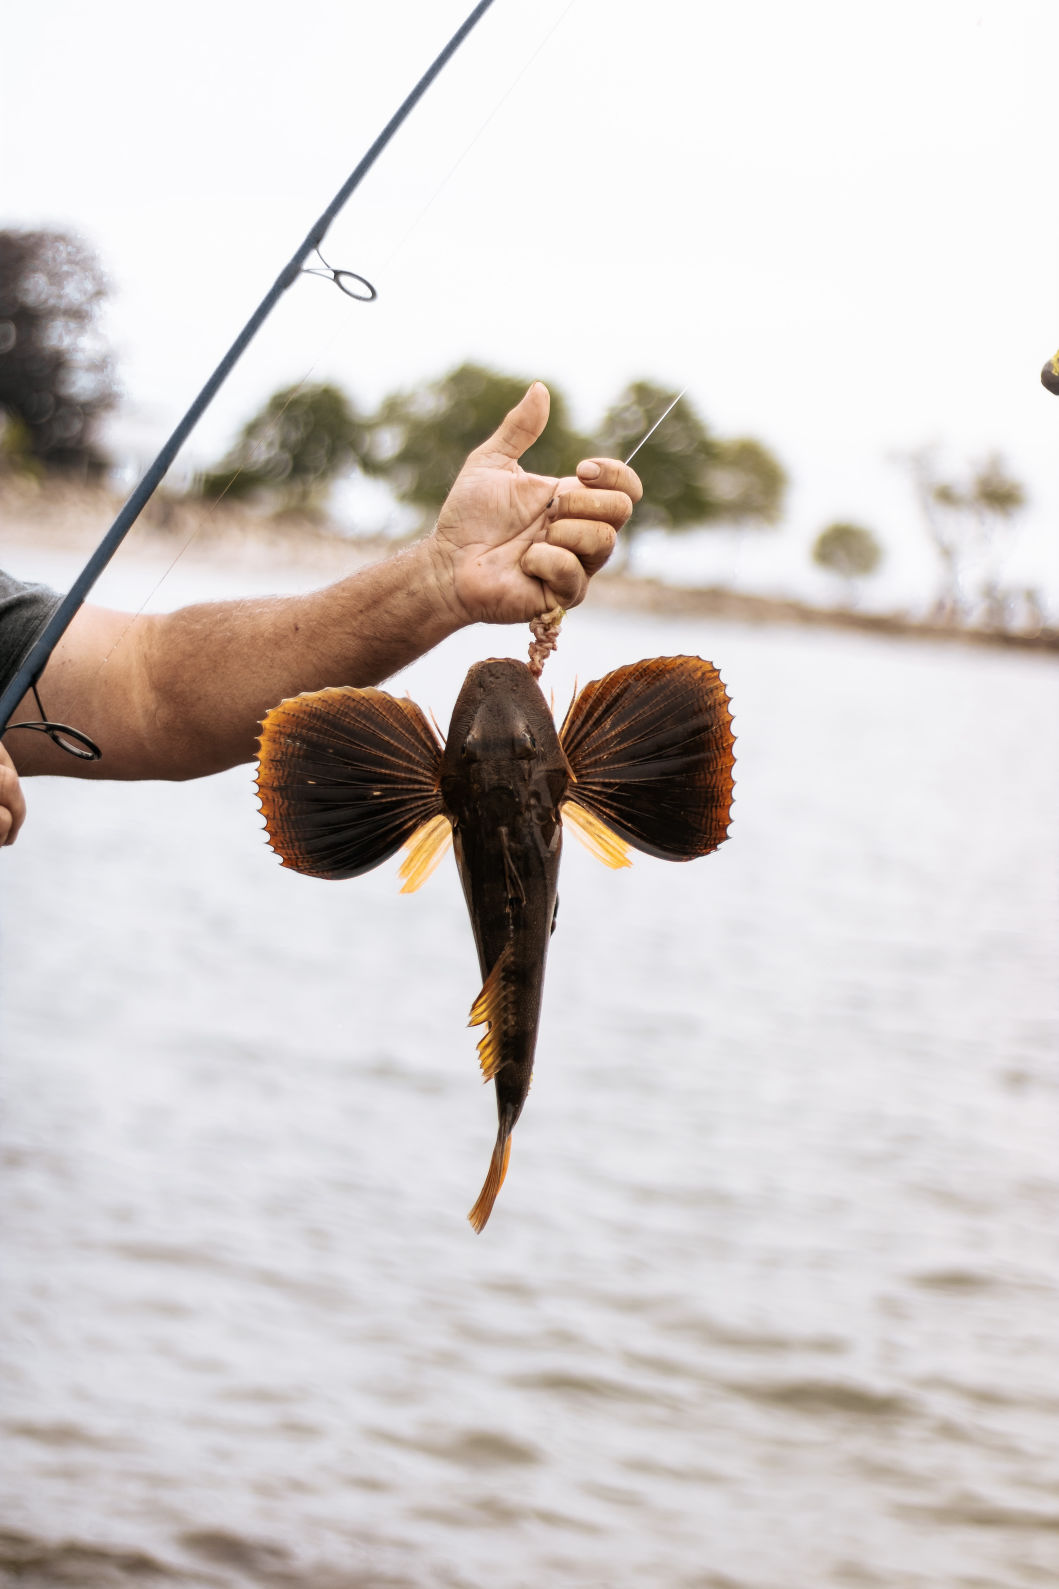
x=71, y=518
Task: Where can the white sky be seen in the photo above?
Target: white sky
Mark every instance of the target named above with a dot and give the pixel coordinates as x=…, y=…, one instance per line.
x=838, y=224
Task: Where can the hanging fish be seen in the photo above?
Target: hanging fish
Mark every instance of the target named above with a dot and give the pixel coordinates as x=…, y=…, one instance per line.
x=643, y=758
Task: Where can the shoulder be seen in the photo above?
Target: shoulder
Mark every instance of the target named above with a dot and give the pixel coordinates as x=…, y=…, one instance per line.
x=24, y=609
x=17, y=593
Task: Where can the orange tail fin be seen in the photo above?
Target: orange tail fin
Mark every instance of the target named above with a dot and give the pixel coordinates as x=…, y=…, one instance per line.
x=493, y=1181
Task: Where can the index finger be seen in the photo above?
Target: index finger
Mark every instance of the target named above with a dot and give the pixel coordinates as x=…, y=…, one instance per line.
x=610, y=475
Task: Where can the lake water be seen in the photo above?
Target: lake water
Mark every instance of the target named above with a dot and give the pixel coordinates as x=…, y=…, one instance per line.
x=769, y=1299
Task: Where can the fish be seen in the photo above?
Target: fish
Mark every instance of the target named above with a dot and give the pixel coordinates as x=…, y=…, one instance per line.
x=644, y=759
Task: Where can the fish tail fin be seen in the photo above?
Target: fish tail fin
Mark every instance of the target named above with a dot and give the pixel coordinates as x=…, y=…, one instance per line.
x=494, y=1180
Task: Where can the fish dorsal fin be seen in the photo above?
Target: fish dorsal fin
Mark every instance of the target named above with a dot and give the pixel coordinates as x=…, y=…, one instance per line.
x=651, y=750
x=424, y=852
x=490, y=1010
x=597, y=838
x=345, y=777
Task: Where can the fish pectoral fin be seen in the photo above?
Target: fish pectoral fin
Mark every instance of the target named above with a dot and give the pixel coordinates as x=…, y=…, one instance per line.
x=650, y=747
x=490, y=1009
x=597, y=838
x=494, y=1180
x=424, y=852
x=345, y=777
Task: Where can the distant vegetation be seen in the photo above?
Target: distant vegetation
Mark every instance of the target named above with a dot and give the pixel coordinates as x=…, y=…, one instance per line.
x=56, y=374
x=57, y=385
x=848, y=551
x=418, y=440
x=293, y=448
x=691, y=477
x=970, y=520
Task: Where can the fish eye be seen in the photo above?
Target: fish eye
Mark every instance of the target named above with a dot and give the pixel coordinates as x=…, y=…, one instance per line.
x=471, y=749
x=525, y=745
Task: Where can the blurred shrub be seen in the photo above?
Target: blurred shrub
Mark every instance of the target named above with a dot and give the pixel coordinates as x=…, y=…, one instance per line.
x=292, y=449
x=421, y=439
x=848, y=550
x=56, y=374
x=690, y=477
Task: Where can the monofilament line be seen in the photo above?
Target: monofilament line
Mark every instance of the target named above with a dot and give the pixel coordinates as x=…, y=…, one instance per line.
x=656, y=424
x=35, y=660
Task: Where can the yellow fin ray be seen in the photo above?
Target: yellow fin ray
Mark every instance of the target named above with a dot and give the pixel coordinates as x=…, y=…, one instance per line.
x=424, y=852
x=494, y=1180
x=488, y=1010
x=594, y=834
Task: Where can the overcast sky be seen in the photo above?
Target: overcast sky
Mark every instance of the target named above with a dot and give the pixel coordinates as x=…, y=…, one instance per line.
x=836, y=223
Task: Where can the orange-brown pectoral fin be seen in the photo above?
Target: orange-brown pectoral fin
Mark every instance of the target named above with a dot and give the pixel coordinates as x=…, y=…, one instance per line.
x=652, y=752
x=494, y=1180
x=345, y=777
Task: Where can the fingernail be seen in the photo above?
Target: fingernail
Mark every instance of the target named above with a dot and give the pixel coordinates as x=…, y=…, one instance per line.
x=588, y=471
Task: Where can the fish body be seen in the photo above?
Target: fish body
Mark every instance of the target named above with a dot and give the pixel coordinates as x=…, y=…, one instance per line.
x=503, y=779
x=643, y=758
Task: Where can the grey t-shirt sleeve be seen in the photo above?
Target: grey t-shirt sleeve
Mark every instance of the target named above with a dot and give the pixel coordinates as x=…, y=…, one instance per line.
x=24, y=609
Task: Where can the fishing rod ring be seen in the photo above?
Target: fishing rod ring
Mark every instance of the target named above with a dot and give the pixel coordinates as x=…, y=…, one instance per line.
x=72, y=740
x=346, y=281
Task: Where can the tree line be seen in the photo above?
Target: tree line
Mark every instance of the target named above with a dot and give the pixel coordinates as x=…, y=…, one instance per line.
x=416, y=441
x=58, y=385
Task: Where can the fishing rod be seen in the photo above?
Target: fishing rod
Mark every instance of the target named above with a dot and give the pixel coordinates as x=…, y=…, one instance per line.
x=352, y=284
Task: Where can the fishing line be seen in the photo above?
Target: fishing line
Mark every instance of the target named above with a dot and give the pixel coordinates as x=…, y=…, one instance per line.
x=656, y=424
x=39, y=652
x=545, y=628
x=497, y=108
x=356, y=286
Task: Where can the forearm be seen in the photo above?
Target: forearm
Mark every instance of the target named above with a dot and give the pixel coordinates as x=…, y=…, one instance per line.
x=213, y=681
x=181, y=694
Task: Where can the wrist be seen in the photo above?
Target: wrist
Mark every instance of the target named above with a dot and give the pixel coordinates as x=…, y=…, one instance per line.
x=438, y=575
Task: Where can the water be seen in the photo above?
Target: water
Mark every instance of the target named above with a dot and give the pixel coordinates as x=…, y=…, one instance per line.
x=769, y=1297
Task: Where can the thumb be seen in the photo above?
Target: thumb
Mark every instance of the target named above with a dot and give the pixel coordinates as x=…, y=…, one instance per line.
x=519, y=429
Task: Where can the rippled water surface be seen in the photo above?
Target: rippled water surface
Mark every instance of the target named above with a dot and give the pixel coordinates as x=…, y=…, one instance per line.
x=769, y=1299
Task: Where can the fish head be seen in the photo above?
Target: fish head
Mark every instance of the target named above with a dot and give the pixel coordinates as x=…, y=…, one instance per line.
x=502, y=735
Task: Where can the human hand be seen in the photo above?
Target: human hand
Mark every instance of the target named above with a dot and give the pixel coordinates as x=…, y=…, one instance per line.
x=509, y=546
x=12, y=804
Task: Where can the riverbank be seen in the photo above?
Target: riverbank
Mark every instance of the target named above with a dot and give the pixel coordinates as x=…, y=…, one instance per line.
x=71, y=518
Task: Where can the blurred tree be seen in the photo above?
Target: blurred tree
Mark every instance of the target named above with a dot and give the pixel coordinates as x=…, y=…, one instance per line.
x=849, y=551
x=748, y=481
x=56, y=375
x=965, y=520
x=293, y=448
x=995, y=495
x=421, y=438
x=690, y=477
